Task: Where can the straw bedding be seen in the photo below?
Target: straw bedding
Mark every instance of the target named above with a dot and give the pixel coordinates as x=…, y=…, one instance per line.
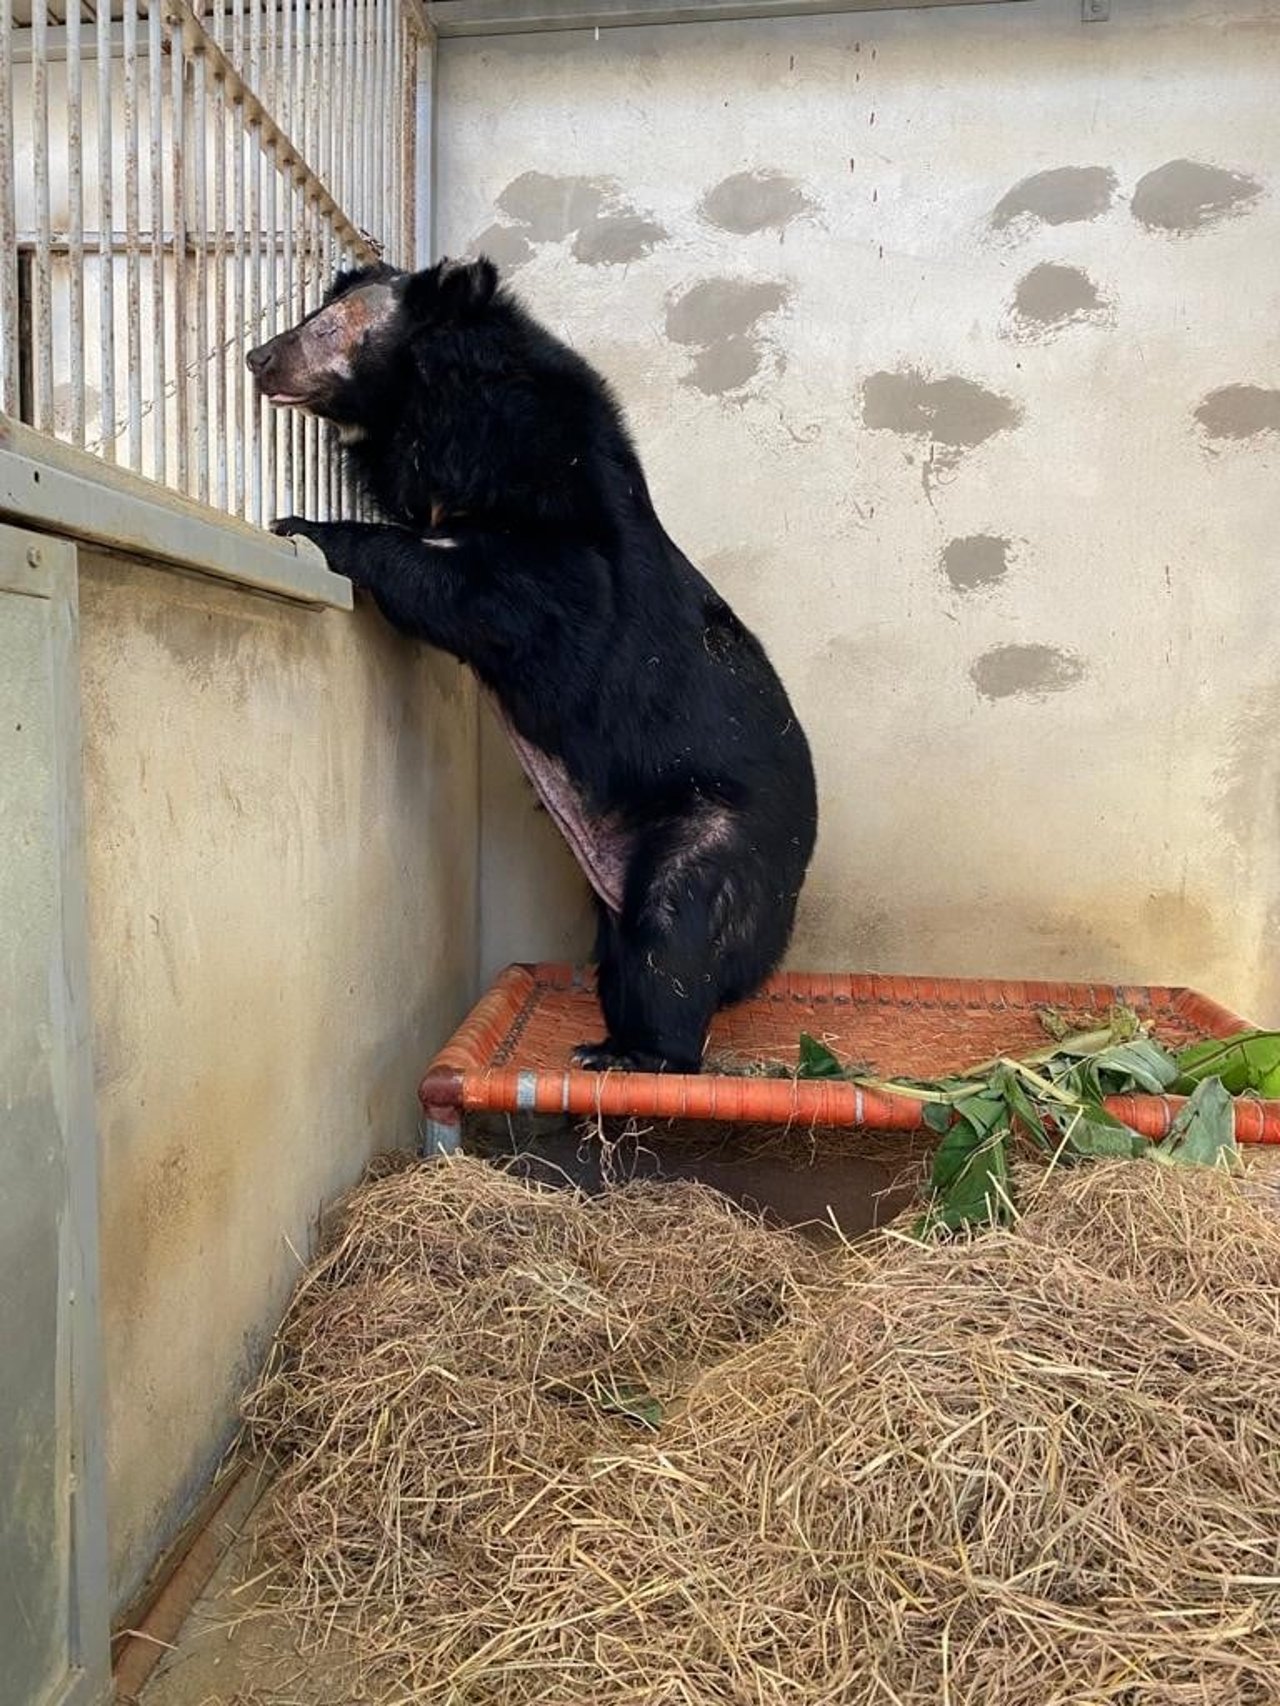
x=1041, y=1466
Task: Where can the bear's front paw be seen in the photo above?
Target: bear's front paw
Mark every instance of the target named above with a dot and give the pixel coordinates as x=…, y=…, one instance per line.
x=289, y=525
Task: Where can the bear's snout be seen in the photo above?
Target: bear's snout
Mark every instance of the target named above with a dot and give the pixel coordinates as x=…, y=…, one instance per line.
x=259, y=360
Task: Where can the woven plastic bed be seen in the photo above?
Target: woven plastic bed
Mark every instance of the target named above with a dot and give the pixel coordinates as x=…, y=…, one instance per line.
x=512, y=1053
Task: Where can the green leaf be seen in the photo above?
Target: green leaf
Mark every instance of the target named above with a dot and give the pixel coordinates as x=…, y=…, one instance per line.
x=1140, y=1064
x=635, y=1406
x=1203, y=1134
x=1020, y=1105
x=1104, y=1138
x=970, y=1179
x=982, y=1114
x=938, y=1116
x=1247, y=1061
x=817, y=1060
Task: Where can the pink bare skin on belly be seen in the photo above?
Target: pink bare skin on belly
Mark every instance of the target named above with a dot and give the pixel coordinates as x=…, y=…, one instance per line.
x=602, y=849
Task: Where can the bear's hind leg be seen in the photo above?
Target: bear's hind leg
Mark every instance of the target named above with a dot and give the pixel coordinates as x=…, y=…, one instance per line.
x=658, y=978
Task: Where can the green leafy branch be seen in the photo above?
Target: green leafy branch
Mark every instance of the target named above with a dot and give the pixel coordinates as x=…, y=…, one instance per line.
x=1053, y=1100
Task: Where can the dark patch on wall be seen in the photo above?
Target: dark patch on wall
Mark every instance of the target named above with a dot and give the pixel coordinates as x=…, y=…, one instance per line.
x=725, y=366
x=552, y=208
x=539, y=208
x=1025, y=672
x=763, y=200
x=1063, y=195
x=506, y=246
x=978, y=560
x=614, y=239
x=720, y=318
x=1051, y=296
x=1186, y=195
x=1240, y=411
x=955, y=414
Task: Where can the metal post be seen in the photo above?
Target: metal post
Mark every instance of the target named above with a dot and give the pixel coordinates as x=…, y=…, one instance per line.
x=106, y=232
x=133, y=244
x=42, y=319
x=75, y=219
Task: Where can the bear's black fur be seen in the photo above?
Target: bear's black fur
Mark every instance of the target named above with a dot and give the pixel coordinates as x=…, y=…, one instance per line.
x=521, y=537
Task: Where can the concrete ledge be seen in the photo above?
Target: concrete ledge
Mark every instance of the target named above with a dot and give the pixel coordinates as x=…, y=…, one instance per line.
x=525, y=17
x=55, y=488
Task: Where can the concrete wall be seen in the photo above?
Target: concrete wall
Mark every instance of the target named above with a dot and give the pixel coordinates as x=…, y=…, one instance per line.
x=949, y=339
x=282, y=868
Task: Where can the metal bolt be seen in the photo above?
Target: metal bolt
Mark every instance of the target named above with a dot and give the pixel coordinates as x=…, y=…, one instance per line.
x=1095, y=11
x=33, y=556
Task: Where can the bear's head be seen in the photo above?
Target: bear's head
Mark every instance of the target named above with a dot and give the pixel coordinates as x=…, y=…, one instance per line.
x=338, y=362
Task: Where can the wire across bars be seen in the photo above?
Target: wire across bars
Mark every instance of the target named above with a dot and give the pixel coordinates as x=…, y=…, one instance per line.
x=179, y=179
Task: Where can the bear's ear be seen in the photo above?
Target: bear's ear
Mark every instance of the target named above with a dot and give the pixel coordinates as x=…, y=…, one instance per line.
x=451, y=290
x=351, y=277
x=343, y=281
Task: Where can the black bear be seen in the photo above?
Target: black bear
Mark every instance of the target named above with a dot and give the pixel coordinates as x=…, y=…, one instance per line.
x=520, y=536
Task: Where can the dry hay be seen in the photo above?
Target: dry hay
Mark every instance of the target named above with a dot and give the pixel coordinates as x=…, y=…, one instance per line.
x=1039, y=1467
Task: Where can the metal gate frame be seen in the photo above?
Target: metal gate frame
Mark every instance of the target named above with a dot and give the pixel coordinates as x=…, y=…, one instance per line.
x=49, y=1048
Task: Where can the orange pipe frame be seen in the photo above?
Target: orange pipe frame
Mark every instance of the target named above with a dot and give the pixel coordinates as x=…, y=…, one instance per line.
x=446, y=1094
x=463, y=1077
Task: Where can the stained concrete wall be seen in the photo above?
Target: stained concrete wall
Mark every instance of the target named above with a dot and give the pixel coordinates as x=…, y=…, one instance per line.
x=281, y=811
x=949, y=340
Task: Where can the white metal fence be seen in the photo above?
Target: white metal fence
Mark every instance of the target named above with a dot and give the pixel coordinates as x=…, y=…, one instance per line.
x=178, y=180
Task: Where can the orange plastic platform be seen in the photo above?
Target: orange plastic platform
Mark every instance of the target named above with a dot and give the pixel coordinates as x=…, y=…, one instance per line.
x=512, y=1053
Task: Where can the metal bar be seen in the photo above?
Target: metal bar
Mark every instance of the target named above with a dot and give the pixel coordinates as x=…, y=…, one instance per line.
x=183, y=19
x=525, y=17
x=58, y=38
x=258, y=405
x=160, y=400
x=238, y=254
x=274, y=416
x=355, y=108
x=313, y=425
x=75, y=218
x=43, y=281
x=364, y=68
x=276, y=427
x=380, y=217
x=254, y=77
x=285, y=504
x=118, y=242
x=346, y=116
x=388, y=132
x=284, y=103
x=326, y=465
x=8, y=223
x=204, y=354
x=260, y=422
x=417, y=19
x=181, y=329
x=132, y=224
x=225, y=349
x=56, y=489
x=424, y=154
x=319, y=66
x=106, y=266
x=271, y=94
x=398, y=137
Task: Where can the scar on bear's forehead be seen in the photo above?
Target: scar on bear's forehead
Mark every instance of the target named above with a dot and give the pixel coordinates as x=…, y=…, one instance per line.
x=359, y=310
